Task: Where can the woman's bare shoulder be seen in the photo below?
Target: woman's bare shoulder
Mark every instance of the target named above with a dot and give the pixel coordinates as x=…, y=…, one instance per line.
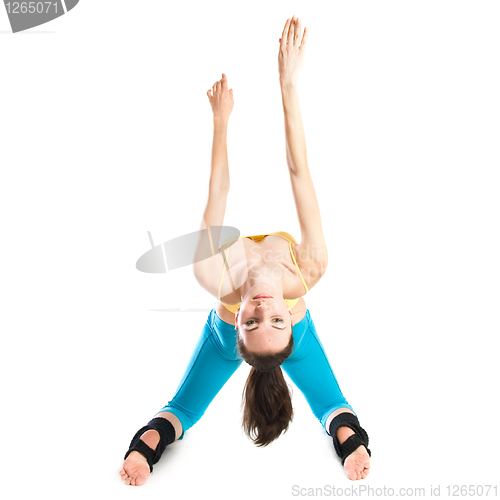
x=312, y=262
x=224, y=314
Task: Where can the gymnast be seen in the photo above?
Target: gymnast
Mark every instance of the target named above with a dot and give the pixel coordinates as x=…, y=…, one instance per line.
x=261, y=316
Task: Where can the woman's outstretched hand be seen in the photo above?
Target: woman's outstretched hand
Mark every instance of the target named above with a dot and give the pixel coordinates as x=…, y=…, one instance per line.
x=292, y=51
x=221, y=98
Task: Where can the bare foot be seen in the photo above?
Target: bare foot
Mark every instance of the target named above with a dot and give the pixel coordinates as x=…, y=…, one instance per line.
x=357, y=464
x=135, y=471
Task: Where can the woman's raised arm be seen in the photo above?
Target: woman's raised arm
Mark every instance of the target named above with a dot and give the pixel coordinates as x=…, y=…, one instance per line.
x=221, y=100
x=291, y=56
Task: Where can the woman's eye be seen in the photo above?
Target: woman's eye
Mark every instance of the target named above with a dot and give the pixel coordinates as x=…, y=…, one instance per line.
x=252, y=321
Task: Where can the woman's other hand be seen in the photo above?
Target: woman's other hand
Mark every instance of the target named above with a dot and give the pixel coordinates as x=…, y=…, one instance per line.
x=292, y=51
x=221, y=98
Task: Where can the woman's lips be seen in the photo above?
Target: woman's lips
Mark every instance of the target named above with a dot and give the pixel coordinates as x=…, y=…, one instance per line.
x=263, y=296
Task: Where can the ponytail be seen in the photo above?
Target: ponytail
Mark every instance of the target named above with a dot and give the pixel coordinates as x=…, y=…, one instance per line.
x=266, y=401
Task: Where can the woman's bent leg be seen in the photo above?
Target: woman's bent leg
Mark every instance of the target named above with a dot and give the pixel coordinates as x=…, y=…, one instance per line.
x=212, y=363
x=310, y=370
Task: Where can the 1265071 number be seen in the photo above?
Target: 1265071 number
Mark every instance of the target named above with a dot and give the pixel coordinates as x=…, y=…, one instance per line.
x=30, y=7
x=472, y=490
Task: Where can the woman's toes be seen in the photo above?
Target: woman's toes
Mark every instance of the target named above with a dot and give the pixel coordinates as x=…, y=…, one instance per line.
x=351, y=474
x=357, y=464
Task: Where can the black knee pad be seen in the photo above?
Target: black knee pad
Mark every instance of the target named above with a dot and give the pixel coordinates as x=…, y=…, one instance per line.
x=360, y=437
x=167, y=436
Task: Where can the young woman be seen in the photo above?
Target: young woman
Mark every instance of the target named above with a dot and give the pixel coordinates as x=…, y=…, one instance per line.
x=261, y=316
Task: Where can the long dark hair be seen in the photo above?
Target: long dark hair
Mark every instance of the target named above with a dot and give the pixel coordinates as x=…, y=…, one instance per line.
x=266, y=401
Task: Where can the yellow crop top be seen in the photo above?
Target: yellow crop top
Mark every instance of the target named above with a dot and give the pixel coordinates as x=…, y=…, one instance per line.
x=259, y=237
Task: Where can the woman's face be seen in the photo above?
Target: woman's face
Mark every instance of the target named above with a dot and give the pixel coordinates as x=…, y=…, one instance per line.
x=264, y=321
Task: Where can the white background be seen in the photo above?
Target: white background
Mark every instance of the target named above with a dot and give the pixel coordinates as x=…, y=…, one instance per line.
x=106, y=132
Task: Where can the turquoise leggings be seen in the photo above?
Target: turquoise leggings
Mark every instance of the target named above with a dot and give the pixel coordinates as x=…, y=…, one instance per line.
x=215, y=359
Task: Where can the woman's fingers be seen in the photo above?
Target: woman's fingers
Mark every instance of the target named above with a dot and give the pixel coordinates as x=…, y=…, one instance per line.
x=284, y=35
x=296, y=35
x=304, y=38
x=224, y=82
x=219, y=86
x=291, y=31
